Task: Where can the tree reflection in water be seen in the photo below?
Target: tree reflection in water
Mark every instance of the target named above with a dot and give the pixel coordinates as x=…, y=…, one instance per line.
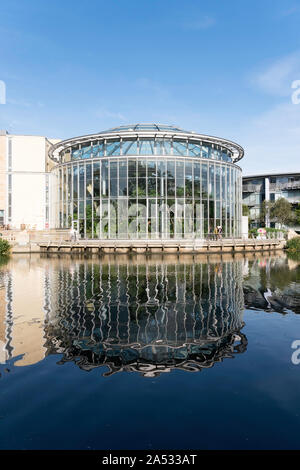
x=147, y=316
x=273, y=284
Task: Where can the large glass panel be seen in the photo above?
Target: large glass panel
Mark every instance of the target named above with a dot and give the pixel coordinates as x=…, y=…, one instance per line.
x=179, y=147
x=122, y=218
x=226, y=155
x=211, y=181
x=223, y=170
x=161, y=178
x=168, y=146
x=113, y=147
x=180, y=179
x=86, y=150
x=141, y=189
x=131, y=168
x=132, y=187
x=194, y=149
x=159, y=147
x=89, y=184
x=170, y=178
x=218, y=181
x=96, y=178
x=113, y=218
x=151, y=180
x=142, y=218
x=204, y=180
x=132, y=218
x=98, y=149
x=122, y=178
x=81, y=182
x=96, y=208
x=76, y=152
x=206, y=149
x=69, y=187
x=64, y=184
x=146, y=146
x=113, y=178
x=142, y=168
x=197, y=177
x=81, y=209
x=104, y=178
x=129, y=147
x=188, y=179
x=75, y=182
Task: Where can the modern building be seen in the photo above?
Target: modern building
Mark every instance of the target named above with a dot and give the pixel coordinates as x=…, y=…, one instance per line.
x=147, y=181
x=24, y=181
x=269, y=187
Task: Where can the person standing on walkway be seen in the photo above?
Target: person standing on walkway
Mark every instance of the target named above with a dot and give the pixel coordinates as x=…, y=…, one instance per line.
x=220, y=231
x=71, y=234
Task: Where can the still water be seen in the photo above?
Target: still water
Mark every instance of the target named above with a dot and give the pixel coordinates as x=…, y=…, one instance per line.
x=122, y=352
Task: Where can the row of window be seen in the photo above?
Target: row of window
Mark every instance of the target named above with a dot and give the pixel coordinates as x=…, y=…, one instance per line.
x=116, y=147
x=146, y=178
x=110, y=196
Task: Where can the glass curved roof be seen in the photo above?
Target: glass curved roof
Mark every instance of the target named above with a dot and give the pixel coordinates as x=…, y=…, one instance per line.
x=145, y=127
x=234, y=149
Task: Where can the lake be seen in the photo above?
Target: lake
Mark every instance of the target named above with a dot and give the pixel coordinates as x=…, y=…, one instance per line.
x=150, y=352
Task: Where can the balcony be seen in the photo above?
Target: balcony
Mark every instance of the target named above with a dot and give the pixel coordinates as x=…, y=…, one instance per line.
x=252, y=188
x=289, y=185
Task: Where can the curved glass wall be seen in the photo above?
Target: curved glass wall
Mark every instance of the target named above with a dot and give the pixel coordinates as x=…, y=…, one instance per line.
x=145, y=146
x=148, y=198
x=147, y=187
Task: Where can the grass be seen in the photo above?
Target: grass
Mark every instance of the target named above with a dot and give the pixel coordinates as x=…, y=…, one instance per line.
x=293, y=245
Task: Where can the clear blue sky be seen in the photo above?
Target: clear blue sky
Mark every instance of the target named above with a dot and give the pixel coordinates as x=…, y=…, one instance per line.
x=223, y=67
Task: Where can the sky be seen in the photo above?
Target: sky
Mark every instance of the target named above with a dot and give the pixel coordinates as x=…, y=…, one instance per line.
x=223, y=68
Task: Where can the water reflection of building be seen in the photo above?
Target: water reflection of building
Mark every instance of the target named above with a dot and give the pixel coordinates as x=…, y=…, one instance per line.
x=22, y=314
x=149, y=317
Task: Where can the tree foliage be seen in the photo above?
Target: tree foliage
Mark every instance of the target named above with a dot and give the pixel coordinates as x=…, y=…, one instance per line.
x=4, y=247
x=246, y=210
x=281, y=212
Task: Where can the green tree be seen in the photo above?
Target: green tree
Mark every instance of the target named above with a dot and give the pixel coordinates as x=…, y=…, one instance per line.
x=246, y=210
x=265, y=209
x=297, y=215
x=4, y=247
x=281, y=212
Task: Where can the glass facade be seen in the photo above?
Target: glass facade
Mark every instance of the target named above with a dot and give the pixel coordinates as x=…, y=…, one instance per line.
x=147, y=188
x=143, y=146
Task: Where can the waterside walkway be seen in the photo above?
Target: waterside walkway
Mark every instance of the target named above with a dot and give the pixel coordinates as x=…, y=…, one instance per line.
x=153, y=246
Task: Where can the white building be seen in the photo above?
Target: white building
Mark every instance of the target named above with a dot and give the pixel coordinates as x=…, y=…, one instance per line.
x=24, y=181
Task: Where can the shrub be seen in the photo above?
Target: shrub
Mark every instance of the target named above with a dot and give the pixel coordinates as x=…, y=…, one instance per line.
x=293, y=245
x=4, y=247
x=269, y=231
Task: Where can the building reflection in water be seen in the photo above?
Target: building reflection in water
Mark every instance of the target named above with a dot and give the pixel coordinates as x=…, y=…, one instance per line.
x=149, y=315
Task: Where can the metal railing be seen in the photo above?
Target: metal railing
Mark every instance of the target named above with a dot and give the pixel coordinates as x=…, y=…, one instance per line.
x=287, y=185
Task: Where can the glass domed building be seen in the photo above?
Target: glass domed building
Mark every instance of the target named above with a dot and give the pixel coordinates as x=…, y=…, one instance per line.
x=147, y=181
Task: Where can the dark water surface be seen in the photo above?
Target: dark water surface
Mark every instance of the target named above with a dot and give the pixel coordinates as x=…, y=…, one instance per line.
x=149, y=352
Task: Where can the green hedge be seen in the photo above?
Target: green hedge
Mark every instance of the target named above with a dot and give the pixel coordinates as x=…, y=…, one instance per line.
x=4, y=247
x=293, y=245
